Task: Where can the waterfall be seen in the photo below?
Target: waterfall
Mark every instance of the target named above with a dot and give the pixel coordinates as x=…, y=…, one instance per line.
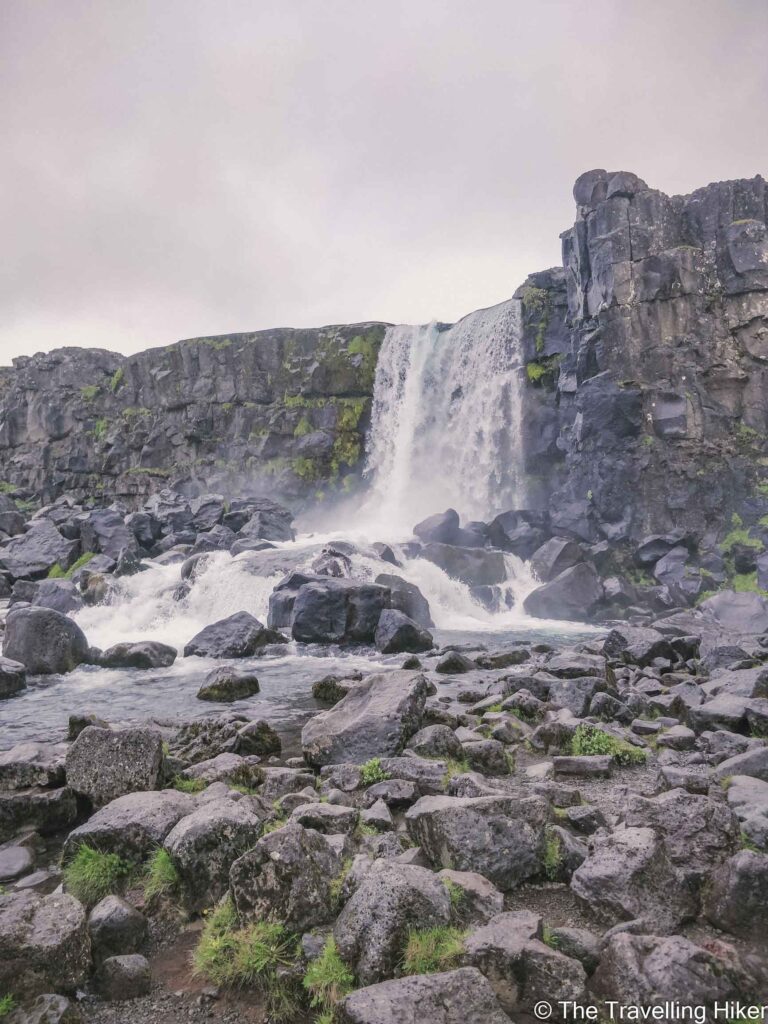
x=446, y=419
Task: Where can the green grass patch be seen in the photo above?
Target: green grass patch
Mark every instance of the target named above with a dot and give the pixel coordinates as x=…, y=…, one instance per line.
x=453, y=768
x=549, y=939
x=117, y=380
x=91, y=875
x=259, y=956
x=161, y=877
x=552, y=861
x=738, y=536
x=7, y=1005
x=372, y=772
x=90, y=391
x=429, y=950
x=100, y=428
x=589, y=740
x=337, y=885
x=328, y=979
x=189, y=785
x=58, y=572
x=456, y=894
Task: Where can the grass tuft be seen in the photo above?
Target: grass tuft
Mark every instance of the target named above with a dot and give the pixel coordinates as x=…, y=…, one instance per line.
x=328, y=979
x=337, y=885
x=372, y=772
x=433, y=949
x=7, y=1005
x=161, y=877
x=91, y=875
x=589, y=740
x=262, y=956
x=453, y=768
x=189, y=785
x=456, y=895
x=552, y=860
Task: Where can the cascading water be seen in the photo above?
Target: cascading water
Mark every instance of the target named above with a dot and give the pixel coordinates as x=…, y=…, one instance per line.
x=446, y=420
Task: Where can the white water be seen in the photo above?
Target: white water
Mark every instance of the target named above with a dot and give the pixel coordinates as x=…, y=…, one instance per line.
x=446, y=421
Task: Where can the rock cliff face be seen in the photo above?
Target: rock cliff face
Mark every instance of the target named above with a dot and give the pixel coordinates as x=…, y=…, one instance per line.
x=283, y=410
x=646, y=406
x=647, y=361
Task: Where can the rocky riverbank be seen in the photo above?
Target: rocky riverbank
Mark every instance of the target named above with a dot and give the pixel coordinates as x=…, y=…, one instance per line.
x=467, y=832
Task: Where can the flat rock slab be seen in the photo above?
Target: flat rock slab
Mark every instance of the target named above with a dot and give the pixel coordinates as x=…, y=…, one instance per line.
x=588, y=766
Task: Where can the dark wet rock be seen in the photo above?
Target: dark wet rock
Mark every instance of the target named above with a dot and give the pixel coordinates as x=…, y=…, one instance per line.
x=131, y=826
x=228, y=684
x=736, y=899
x=443, y=527
x=143, y=654
x=103, y=764
x=115, y=928
x=60, y=595
x=13, y=678
x=372, y=929
x=376, y=719
x=463, y=996
x=338, y=611
x=407, y=598
x=124, y=977
x=396, y=633
x=477, y=567
x=503, y=658
x=287, y=875
x=48, y=811
x=555, y=556
x=44, y=641
x=204, y=845
x=454, y=663
x=44, y=944
x=104, y=531
x=218, y=538
x=238, y=636
x=33, y=554
x=636, y=645
x=573, y=595
x=629, y=875
x=644, y=970
x=500, y=837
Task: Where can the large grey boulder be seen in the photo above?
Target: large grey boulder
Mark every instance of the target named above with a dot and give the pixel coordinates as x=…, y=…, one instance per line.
x=629, y=876
x=103, y=764
x=453, y=997
x=13, y=677
x=228, y=684
x=44, y=641
x=121, y=978
x=287, y=877
x=477, y=567
x=44, y=943
x=521, y=969
x=205, y=844
x=646, y=970
x=142, y=654
x=238, y=636
x=47, y=811
x=436, y=741
x=396, y=634
x=331, y=611
x=33, y=554
x=105, y=531
x=131, y=826
x=116, y=927
x=752, y=762
x=736, y=899
x=573, y=595
x=500, y=837
x=375, y=719
x=748, y=799
x=699, y=832
x=555, y=556
x=739, y=612
x=372, y=929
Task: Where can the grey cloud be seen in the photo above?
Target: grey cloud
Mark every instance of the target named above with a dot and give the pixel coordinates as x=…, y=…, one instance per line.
x=173, y=168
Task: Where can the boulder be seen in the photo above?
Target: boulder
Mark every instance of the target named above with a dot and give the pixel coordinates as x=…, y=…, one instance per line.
x=654, y=547
x=131, y=826
x=44, y=641
x=103, y=764
x=555, y=556
x=144, y=654
x=474, y=900
x=477, y=567
x=330, y=819
x=331, y=611
x=47, y=811
x=396, y=633
x=61, y=595
x=752, y=762
x=629, y=875
x=238, y=636
x=372, y=928
x=406, y=598
x=436, y=741
x=500, y=837
x=748, y=799
x=520, y=532
x=228, y=684
x=105, y=531
x=124, y=977
x=34, y=553
x=572, y=595
x=266, y=520
x=205, y=844
x=736, y=899
x=13, y=677
x=376, y=719
x=647, y=970
x=453, y=997
x=739, y=612
x=115, y=928
x=442, y=527
x=44, y=944
x=287, y=877
x=48, y=1009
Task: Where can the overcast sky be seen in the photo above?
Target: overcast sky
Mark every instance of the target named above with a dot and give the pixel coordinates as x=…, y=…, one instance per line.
x=173, y=168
